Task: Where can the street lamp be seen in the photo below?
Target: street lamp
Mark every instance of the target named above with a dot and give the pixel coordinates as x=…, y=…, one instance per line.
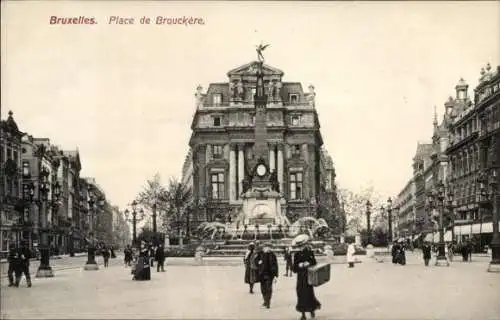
x=44, y=270
x=134, y=219
x=489, y=200
x=91, y=264
x=450, y=205
x=389, y=216
x=439, y=206
x=368, y=226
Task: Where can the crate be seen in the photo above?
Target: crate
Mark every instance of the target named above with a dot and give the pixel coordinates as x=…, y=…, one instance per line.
x=318, y=274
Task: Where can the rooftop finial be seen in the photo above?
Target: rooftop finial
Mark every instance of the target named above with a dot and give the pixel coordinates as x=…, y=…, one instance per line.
x=10, y=113
x=435, y=116
x=488, y=67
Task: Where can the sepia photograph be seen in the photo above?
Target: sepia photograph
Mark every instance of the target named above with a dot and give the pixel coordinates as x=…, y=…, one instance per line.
x=250, y=160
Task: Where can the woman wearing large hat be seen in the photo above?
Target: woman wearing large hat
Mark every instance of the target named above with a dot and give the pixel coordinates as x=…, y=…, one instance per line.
x=303, y=259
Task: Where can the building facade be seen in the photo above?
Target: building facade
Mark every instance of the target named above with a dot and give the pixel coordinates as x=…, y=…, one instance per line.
x=407, y=211
x=463, y=145
x=474, y=131
x=11, y=197
x=222, y=144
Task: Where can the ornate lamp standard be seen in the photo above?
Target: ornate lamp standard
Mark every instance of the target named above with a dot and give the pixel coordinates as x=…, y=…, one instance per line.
x=389, y=217
x=91, y=264
x=134, y=219
x=45, y=270
x=440, y=196
x=450, y=205
x=368, y=220
x=489, y=200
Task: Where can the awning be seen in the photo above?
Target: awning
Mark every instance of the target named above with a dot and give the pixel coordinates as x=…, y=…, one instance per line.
x=476, y=228
x=434, y=237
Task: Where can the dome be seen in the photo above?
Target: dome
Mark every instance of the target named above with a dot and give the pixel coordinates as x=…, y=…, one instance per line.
x=462, y=84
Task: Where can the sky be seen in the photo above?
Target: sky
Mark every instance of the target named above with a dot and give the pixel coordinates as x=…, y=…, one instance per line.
x=124, y=94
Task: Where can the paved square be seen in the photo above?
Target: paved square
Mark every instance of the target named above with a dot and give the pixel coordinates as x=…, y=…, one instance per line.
x=369, y=291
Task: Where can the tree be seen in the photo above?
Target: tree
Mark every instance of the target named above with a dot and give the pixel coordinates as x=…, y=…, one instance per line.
x=354, y=206
x=179, y=203
x=153, y=196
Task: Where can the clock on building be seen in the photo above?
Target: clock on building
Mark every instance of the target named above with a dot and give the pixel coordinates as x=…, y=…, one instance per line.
x=261, y=170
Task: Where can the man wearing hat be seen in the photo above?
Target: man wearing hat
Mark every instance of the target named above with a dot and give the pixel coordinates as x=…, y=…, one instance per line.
x=268, y=271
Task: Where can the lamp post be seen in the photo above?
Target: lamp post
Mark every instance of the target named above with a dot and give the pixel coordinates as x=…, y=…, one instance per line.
x=134, y=219
x=44, y=270
x=91, y=264
x=439, y=205
x=489, y=200
x=368, y=220
x=389, y=217
x=450, y=204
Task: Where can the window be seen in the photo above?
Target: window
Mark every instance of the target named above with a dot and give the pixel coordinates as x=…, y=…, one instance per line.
x=217, y=121
x=295, y=120
x=217, y=151
x=296, y=185
x=217, y=99
x=217, y=181
x=294, y=98
x=26, y=169
x=296, y=150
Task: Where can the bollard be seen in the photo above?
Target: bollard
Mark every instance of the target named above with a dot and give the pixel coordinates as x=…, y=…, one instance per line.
x=198, y=255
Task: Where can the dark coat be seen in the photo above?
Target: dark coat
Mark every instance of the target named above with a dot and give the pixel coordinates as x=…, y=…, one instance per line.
x=267, y=265
x=142, y=269
x=426, y=250
x=250, y=274
x=306, y=300
x=160, y=254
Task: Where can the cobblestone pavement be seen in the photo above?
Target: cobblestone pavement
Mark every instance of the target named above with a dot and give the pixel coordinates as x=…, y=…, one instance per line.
x=371, y=290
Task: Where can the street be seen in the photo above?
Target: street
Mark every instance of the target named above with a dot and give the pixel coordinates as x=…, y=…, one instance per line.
x=369, y=291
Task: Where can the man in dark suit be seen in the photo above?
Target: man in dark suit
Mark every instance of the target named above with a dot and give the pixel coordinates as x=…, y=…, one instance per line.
x=24, y=264
x=13, y=259
x=160, y=258
x=268, y=271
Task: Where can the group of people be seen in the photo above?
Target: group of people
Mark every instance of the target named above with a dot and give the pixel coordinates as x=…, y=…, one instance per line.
x=398, y=252
x=261, y=266
x=19, y=264
x=144, y=260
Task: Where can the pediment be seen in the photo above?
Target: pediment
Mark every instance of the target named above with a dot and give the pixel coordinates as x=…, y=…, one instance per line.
x=251, y=69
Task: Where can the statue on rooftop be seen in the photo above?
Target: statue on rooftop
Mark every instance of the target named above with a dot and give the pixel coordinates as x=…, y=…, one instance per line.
x=259, y=50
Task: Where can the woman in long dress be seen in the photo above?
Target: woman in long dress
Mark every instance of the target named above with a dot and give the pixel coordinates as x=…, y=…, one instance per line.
x=302, y=260
x=250, y=275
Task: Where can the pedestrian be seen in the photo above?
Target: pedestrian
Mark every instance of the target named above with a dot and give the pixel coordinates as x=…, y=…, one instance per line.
x=151, y=254
x=288, y=260
x=351, y=250
x=254, y=268
x=13, y=259
x=400, y=253
x=268, y=272
x=426, y=250
x=470, y=248
x=160, y=258
x=112, y=251
x=142, y=269
x=250, y=273
x=23, y=265
x=302, y=260
x=394, y=252
x=128, y=256
x=105, y=255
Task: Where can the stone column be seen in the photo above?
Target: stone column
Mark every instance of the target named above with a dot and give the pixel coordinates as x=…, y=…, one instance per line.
x=241, y=168
x=281, y=172
x=272, y=158
x=232, y=173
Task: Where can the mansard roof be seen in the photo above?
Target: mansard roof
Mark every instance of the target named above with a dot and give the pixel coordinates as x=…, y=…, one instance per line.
x=252, y=67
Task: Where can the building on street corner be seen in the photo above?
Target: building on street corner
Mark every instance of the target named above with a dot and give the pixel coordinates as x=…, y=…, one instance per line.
x=464, y=145
x=222, y=145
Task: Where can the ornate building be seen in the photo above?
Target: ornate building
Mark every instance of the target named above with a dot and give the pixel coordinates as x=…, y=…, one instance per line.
x=463, y=144
x=474, y=130
x=11, y=197
x=222, y=145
